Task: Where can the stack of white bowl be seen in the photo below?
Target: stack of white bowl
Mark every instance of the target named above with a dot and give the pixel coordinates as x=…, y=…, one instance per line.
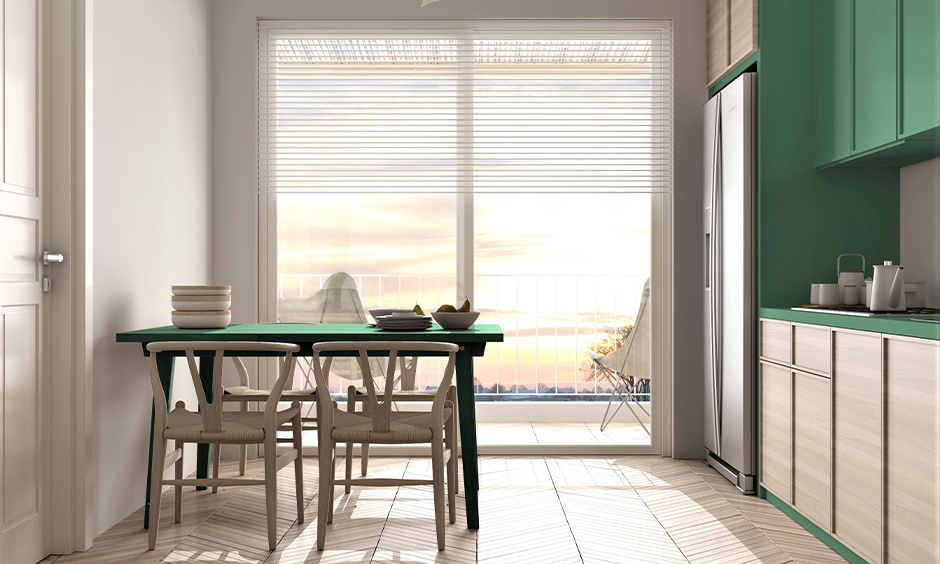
x=202, y=307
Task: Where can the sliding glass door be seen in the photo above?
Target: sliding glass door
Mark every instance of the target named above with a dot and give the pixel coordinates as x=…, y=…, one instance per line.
x=520, y=168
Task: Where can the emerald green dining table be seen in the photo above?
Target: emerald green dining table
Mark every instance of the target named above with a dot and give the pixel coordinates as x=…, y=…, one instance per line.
x=472, y=343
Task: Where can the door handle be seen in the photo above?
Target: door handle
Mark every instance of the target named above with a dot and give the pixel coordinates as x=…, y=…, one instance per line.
x=50, y=258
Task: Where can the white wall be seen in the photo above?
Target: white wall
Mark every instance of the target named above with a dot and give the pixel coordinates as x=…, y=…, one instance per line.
x=920, y=226
x=234, y=201
x=151, y=189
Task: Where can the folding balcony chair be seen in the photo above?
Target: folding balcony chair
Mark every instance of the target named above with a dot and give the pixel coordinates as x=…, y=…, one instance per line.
x=217, y=427
x=629, y=365
x=380, y=424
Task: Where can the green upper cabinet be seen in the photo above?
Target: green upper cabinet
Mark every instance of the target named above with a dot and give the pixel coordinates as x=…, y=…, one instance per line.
x=876, y=74
x=833, y=74
x=920, y=66
x=877, y=82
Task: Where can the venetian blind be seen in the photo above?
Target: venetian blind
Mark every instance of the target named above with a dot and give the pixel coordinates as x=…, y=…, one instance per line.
x=465, y=110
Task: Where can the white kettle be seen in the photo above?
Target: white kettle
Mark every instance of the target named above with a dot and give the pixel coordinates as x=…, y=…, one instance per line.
x=887, y=292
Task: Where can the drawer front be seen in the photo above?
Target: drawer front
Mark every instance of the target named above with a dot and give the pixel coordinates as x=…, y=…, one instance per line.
x=775, y=340
x=812, y=348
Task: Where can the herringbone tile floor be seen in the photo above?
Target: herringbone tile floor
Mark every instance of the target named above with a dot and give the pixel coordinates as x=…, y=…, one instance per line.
x=636, y=509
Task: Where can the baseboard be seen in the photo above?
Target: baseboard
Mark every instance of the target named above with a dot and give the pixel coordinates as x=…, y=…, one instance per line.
x=841, y=549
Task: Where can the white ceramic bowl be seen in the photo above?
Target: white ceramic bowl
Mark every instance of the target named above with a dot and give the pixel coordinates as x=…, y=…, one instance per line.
x=202, y=319
x=455, y=319
x=201, y=290
x=388, y=311
x=201, y=303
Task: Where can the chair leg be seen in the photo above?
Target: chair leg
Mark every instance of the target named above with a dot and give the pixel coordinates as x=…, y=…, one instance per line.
x=364, y=447
x=350, y=408
x=324, y=461
x=156, y=485
x=437, y=472
x=452, y=396
x=216, y=457
x=270, y=488
x=451, y=444
x=299, y=463
x=242, y=449
x=332, y=486
x=178, y=490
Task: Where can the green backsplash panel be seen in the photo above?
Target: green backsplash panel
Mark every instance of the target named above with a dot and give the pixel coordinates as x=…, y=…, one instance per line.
x=807, y=217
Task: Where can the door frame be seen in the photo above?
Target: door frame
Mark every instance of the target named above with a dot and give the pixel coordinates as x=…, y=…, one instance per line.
x=68, y=307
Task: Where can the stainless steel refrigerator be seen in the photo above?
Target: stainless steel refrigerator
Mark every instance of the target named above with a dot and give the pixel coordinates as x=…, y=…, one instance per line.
x=731, y=283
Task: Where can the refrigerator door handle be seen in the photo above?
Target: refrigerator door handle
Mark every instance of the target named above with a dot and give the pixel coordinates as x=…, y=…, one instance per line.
x=715, y=281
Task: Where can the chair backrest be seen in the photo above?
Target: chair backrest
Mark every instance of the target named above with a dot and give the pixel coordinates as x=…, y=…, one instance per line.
x=633, y=356
x=212, y=412
x=379, y=400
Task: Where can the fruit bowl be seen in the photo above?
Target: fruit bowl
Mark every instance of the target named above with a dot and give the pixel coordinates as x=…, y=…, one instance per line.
x=455, y=319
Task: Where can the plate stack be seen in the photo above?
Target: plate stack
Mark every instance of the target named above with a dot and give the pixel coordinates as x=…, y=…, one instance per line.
x=202, y=307
x=403, y=321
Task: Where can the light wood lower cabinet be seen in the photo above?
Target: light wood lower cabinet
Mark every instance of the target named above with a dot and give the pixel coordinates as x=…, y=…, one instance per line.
x=812, y=449
x=912, y=450
x=776, y=430
x=857, y=405
x=858, y=454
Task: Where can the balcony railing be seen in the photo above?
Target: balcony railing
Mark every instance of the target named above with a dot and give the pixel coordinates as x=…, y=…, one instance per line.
x=548, y=321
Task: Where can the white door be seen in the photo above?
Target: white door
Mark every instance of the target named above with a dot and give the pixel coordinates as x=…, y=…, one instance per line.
x=22, y=390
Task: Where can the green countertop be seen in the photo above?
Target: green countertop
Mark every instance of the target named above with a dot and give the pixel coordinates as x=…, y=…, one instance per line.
x=905, y=326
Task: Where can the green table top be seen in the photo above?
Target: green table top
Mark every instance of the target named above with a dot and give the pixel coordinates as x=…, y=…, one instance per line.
x=306, y=333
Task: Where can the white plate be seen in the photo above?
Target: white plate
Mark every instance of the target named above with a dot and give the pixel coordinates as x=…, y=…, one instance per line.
x=201, y=319
x=201, y=303
x=387, y=311
x=201, y=290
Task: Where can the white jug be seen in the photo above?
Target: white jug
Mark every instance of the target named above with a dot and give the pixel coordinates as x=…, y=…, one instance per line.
x=887, y=292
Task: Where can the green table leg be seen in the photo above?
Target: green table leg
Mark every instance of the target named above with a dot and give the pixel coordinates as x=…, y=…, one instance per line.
x=468, y=436
x=204, y=451
x=165, y=363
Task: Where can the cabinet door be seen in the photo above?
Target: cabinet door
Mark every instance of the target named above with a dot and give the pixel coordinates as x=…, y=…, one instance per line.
x=920, y=65
x=912, y=450
x=743, y=30
x=876, y=90
x=812, y=448
x=833, y=38
x=775, y=429
x=856, y=385
x=716, y=51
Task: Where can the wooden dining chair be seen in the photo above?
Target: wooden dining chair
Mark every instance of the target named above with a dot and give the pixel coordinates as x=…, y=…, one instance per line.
x=406, y=392
x=379, y=424
x=243, y=394
x=217, y=427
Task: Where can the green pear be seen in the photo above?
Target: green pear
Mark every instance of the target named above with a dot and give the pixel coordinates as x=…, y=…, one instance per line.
x=465, y=307
x=418, y=310
x=447, y=308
